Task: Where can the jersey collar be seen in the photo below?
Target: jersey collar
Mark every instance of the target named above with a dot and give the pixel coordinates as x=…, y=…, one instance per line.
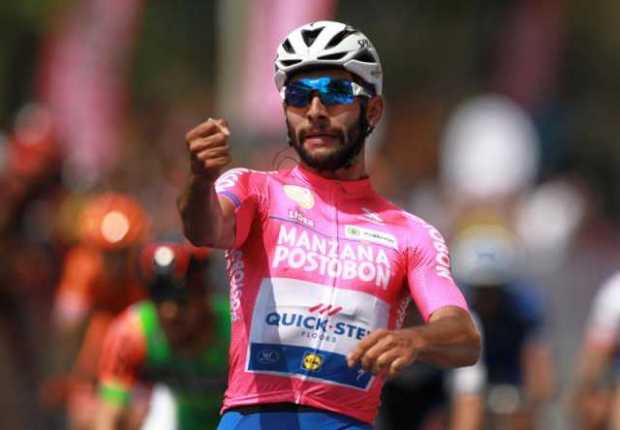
x=318, y=182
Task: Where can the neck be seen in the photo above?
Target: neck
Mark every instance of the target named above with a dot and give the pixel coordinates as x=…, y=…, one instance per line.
x=355, y=172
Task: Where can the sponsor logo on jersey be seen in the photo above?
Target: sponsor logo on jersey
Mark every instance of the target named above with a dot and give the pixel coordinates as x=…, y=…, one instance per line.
x=325, y=309
x=229, y=179
x=312, y=362
x=365, y=234
x=236, y=275
x=313, y=326
x=269, y=356
x=300, y=249
x=442, y=258
x=300, y=218
x=302, y=196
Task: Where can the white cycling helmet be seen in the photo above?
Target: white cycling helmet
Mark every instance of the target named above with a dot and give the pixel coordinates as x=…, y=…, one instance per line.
x=331, y=44
x=485, y=255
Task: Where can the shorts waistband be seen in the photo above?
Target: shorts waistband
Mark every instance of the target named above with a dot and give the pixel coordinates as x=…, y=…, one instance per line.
x=273, y=407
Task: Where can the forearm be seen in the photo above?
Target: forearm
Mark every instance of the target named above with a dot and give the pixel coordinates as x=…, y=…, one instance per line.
x=594, y=360
x=467, y=412
x=109, y=417
x=204, y=223
x=539, y=373
x=449, y=339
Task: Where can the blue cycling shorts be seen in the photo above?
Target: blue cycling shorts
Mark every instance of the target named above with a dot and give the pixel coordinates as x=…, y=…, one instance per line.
x=289, y=420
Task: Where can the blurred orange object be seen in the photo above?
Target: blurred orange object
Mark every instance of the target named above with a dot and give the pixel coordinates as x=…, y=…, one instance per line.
x=113, y=221
x=101, y=277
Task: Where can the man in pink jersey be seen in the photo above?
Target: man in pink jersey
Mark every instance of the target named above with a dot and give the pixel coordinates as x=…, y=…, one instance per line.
x=321, y=267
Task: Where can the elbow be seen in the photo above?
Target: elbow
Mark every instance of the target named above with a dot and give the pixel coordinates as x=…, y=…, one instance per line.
x=474, y=347
x=193, y=236
x=209, y=238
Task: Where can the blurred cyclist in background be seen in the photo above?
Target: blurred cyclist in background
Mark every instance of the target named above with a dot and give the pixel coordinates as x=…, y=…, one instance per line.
x=595, y=398
x=516, y=354
x=178, y=337
x=31, y=192
x=100, y=279
x=445, y=399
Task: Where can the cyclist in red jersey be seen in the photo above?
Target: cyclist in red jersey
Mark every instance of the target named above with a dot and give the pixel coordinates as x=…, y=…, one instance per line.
x=321, y=267
x=177, y=337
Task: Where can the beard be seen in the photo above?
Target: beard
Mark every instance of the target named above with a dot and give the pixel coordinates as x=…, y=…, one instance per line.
x=350, y=144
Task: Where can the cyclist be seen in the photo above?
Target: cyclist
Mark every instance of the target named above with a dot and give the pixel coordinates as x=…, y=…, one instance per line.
x=100, y=279
x=178, y=337
x=595, y=399
x=444, y=398
x=517, y=354
x=321, y=267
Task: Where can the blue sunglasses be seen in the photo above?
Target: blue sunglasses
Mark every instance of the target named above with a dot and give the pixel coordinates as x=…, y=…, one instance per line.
x=331, y=91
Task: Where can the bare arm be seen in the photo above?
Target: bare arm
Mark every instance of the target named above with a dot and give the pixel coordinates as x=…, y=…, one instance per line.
x=467, y=412
x=588, y=401
x=449, y=339
x=539, y=373
x=207, y=219
x=109, y=416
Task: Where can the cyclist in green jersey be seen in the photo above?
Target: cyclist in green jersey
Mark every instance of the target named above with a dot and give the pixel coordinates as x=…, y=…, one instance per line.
x=178, y=337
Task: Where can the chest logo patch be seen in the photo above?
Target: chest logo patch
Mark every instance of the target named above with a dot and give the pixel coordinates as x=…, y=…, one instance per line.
x=374, y=236
x=300, y=195
x=312, y=361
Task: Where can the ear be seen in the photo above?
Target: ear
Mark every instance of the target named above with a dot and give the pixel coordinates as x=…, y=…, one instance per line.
x=374, y=110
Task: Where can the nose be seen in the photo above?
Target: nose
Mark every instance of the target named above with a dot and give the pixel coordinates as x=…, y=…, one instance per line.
x=316, y=109
x=169, y=309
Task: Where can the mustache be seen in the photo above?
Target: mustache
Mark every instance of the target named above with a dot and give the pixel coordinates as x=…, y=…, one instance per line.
x=332, y=132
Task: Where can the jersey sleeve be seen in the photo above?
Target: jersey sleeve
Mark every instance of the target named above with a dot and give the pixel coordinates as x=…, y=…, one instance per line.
x=238, y=186
x=604, y=320
x=428, y=273
x=124, y=353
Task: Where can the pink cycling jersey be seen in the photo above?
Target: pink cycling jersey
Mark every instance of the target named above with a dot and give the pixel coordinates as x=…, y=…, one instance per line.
x=318, y=264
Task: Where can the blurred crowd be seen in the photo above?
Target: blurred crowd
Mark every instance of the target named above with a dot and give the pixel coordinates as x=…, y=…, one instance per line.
x=507, y=146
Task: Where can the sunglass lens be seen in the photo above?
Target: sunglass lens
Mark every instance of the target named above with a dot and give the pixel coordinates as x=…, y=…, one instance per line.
x=331, y=91
x=338, y=91
x=297, y=95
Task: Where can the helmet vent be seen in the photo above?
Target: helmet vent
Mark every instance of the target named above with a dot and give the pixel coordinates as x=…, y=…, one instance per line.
x=288, y=47
x=336, y=56
x=339, y=37
x=365, y=57
x=310, y=36
x=287, y=63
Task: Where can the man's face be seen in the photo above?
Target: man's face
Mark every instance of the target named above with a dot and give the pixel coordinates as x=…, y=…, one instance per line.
x=325, y=137
x=185, y=322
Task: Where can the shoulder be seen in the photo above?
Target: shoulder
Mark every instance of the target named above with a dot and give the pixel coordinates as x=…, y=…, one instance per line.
x=242, y=175
x=610, y=289
x=128, y=326
x=415, y=230
x=607, y=299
